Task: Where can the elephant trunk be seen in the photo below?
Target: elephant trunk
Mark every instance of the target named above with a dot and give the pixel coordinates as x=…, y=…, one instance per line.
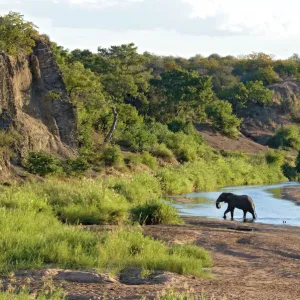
x=218, y=205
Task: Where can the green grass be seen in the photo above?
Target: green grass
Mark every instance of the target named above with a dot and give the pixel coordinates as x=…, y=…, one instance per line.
x=131, y=248
x=155, y=212
x=33, y=240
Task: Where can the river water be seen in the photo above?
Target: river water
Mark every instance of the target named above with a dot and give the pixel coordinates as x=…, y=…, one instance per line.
x=271, y=208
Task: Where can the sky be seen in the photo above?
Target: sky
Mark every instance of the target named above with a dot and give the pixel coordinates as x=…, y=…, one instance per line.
x=168, y=27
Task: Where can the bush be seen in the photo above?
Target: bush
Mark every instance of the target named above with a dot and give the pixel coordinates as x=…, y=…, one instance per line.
x=155, y=212
x=286, y=136
x=178, y=125
x=149, y=160
x=185, y=147
x=42, y=164
x=275, y=157
x=161, y=150
x=76, y=166
x=289, y=171
x=137, y=139
x=223, y=120
x=112, y=156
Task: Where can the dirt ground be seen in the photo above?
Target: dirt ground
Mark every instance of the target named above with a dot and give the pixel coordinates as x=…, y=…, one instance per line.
x=251, y=261
x=292, y=193
x=220, y=142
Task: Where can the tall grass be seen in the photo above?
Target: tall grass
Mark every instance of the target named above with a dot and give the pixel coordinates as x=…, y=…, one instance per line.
x=123, y=248
x=30, y=239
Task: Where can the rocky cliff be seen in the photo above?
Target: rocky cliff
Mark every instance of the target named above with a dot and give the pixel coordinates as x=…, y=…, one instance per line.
x=34, y=102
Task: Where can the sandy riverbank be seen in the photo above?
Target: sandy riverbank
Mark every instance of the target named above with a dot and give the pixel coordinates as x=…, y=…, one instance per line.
x=292, y=193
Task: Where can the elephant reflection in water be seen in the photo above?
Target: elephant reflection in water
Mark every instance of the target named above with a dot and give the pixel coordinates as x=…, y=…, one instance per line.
x=245, y=203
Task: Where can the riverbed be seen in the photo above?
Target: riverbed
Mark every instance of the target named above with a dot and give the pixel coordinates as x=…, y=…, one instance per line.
x=271, y=206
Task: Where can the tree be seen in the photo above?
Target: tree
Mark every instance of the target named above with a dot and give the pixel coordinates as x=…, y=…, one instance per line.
x=267, y=75
x=237, y=95
x=86, y=92
x=258, y=93
x=220, y=112
x=17, y=35
x=286, y=68
x=182, y=94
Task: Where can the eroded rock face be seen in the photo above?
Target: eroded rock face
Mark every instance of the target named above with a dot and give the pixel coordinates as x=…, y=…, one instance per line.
x=34, y=101
x=288, y=89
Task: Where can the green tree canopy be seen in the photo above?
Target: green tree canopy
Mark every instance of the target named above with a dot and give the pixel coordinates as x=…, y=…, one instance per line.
x=17, y=35
x=183, y=93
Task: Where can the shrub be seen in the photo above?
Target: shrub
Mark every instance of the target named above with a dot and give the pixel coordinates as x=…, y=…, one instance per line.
x=181, y=125
x=257, y=93
x=137, y=139
x=161, y=150
x=76, y=166
x=185, y=147
x=42, y=164
x=286, y=136
x=112, y=156
x=149, y=160
x=289, y=171
x=275, y=157
x=223, y=120
x=155, y=212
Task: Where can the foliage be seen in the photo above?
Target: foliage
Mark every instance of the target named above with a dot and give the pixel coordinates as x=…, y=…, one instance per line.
x=257, y=93
x=123, y=248
x=112, y=156
x=183, y=93
x=76, y=166
x=298, y=162
x=266, y=75
x=289, y=171
x=41, y=163
x=286, y=136
x=17, y=35
x=155, y=212
x=275, y=157
x=33, y=239
x=223, y=119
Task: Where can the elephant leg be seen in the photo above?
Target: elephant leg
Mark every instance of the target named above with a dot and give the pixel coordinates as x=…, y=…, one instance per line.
x=245, y=213
x=253, y=214
x=231, y=211
x=226, y=211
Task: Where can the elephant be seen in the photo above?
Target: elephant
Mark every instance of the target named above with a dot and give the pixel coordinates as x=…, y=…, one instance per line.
x=243, y=202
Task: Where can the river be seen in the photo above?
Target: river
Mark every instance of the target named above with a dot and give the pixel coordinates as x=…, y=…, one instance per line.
x=271, y=208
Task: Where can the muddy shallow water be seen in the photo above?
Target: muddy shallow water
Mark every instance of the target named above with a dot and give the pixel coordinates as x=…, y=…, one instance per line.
x=271, y=207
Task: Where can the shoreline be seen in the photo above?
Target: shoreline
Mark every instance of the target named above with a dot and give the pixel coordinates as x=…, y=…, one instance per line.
x=291, y=193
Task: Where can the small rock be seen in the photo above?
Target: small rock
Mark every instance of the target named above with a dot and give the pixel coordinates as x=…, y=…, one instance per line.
x=83, y=277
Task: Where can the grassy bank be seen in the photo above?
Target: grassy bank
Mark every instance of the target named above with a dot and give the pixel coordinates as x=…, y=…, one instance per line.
x=31, y=239
x=37, y=219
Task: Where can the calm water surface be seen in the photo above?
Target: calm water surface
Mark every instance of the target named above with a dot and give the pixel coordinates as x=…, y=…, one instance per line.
x=271, y=208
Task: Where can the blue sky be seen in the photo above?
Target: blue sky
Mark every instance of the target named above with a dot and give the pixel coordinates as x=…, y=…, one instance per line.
x=169, y=27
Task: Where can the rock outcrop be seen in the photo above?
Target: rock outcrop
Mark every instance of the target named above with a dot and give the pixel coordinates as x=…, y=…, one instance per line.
x=34, y=102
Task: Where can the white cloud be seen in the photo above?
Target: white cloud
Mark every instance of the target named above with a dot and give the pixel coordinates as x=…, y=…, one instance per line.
x=98, y=3
x=260, y=17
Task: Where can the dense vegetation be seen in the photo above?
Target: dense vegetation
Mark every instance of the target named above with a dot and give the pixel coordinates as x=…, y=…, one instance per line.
x=136, y=121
